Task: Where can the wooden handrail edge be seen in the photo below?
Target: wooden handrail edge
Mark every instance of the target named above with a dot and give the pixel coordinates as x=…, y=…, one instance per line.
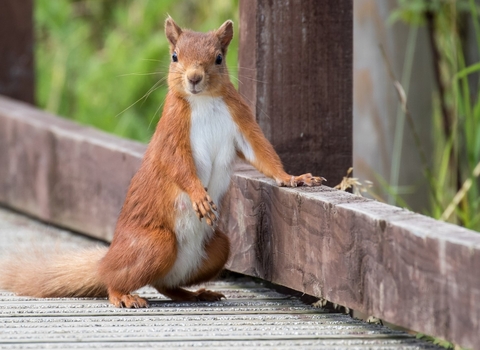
x=403, y=267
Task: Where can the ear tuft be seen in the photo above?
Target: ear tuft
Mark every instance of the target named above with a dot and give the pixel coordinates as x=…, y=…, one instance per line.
x=172, y=32
x=225, y=34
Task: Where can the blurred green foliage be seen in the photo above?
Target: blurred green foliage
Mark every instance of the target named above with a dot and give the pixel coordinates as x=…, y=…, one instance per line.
x=104, y=62
x=455, y=186
x=412, y=11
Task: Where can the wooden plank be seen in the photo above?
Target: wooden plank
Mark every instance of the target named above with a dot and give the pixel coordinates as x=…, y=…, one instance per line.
x=295, y=68
x=405, y=268
x=251, y=317
x=400, y=266
x=61, y=172
x=16, y=47
x=77, y=177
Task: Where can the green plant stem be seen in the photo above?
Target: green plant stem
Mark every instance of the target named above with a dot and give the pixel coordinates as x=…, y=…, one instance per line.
x=461, y=194
x=403, y=101
x=430, y=18
x=400, y=117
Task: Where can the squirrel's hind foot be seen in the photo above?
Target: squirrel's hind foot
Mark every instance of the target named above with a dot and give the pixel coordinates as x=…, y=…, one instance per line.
x=130, y=301
x=208, y=295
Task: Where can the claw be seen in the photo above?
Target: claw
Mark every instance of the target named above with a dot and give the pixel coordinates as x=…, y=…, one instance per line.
x=128, y=301
x=302, y=180
x=208, y=295
x=204, y=208
x=212, y=204
x=293, y=183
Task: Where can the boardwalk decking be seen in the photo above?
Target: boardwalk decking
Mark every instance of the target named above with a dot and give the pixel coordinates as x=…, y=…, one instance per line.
x=253, y=316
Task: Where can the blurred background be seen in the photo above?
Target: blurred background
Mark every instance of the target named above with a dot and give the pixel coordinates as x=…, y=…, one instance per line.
x=104, y=62
x=416, y=107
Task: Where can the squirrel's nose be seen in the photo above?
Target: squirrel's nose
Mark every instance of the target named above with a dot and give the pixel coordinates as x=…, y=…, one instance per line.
x=195, y=79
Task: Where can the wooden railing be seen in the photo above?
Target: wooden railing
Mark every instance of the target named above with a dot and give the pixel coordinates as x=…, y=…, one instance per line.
x=402, y=267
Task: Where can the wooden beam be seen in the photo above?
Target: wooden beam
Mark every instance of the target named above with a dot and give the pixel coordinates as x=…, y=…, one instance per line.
x=405, y=268
x=295, y=68
x=402, y=267
x=16, y=47
x=58, y=171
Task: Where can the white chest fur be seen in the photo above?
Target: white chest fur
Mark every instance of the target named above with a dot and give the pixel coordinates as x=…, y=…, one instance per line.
x=214, y=139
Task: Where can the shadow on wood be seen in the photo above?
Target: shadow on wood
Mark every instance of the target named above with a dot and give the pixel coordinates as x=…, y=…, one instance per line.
x=403, y=267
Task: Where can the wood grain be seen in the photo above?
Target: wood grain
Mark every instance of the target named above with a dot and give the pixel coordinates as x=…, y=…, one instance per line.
x=61, y=172
x=16, y=48
x=295, y=60
x=400, y=266
x=405, y=268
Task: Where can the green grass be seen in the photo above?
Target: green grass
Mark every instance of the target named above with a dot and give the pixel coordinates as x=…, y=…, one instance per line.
x=455, y=187
x=104, y=63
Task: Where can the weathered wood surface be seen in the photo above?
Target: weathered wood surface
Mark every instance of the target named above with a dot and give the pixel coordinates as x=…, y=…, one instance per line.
x=253, y=316
x=16, y=49
x=402, y=267
x=61, y=172
x=295, y=68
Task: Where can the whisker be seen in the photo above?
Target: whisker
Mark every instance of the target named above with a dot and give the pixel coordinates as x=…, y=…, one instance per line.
x=238, y=67
x=154, y=114
x=244, y=77
x=256, y=107
x=151, y=59
x=141, y=74
x=234, y=77
x=254, y=80
x=153, y=88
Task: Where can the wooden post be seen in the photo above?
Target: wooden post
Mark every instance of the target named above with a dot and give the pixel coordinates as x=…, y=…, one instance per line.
x=295, y=69
x=16, y=50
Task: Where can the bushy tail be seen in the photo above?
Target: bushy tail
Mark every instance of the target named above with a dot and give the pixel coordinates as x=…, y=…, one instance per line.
x=54, y=274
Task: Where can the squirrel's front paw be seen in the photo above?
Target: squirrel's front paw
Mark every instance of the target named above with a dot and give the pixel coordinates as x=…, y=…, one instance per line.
x=309, y=180
x=302, y=180
x=203, y=206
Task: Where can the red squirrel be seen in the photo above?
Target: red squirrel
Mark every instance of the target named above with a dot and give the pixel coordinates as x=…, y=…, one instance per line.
x=166, y=235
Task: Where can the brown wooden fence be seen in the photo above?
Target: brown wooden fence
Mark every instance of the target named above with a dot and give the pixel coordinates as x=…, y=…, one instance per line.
x=16, y=50
x=405, y=268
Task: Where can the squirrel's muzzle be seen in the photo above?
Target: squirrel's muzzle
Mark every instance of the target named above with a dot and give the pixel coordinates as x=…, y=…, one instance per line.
x=195, y=81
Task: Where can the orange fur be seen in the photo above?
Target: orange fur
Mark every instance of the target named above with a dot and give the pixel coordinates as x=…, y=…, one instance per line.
x=147, y=246
x=53, y=273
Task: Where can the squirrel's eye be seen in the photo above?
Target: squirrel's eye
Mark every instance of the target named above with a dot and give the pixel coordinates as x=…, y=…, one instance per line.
x=219, y=59
x=174, y=57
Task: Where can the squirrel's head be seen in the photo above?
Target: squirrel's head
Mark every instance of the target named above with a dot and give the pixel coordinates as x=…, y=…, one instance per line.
x=198, y=59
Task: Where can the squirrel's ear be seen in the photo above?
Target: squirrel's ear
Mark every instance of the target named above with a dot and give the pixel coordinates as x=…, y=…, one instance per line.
x=172, y=31
x=225, y=34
